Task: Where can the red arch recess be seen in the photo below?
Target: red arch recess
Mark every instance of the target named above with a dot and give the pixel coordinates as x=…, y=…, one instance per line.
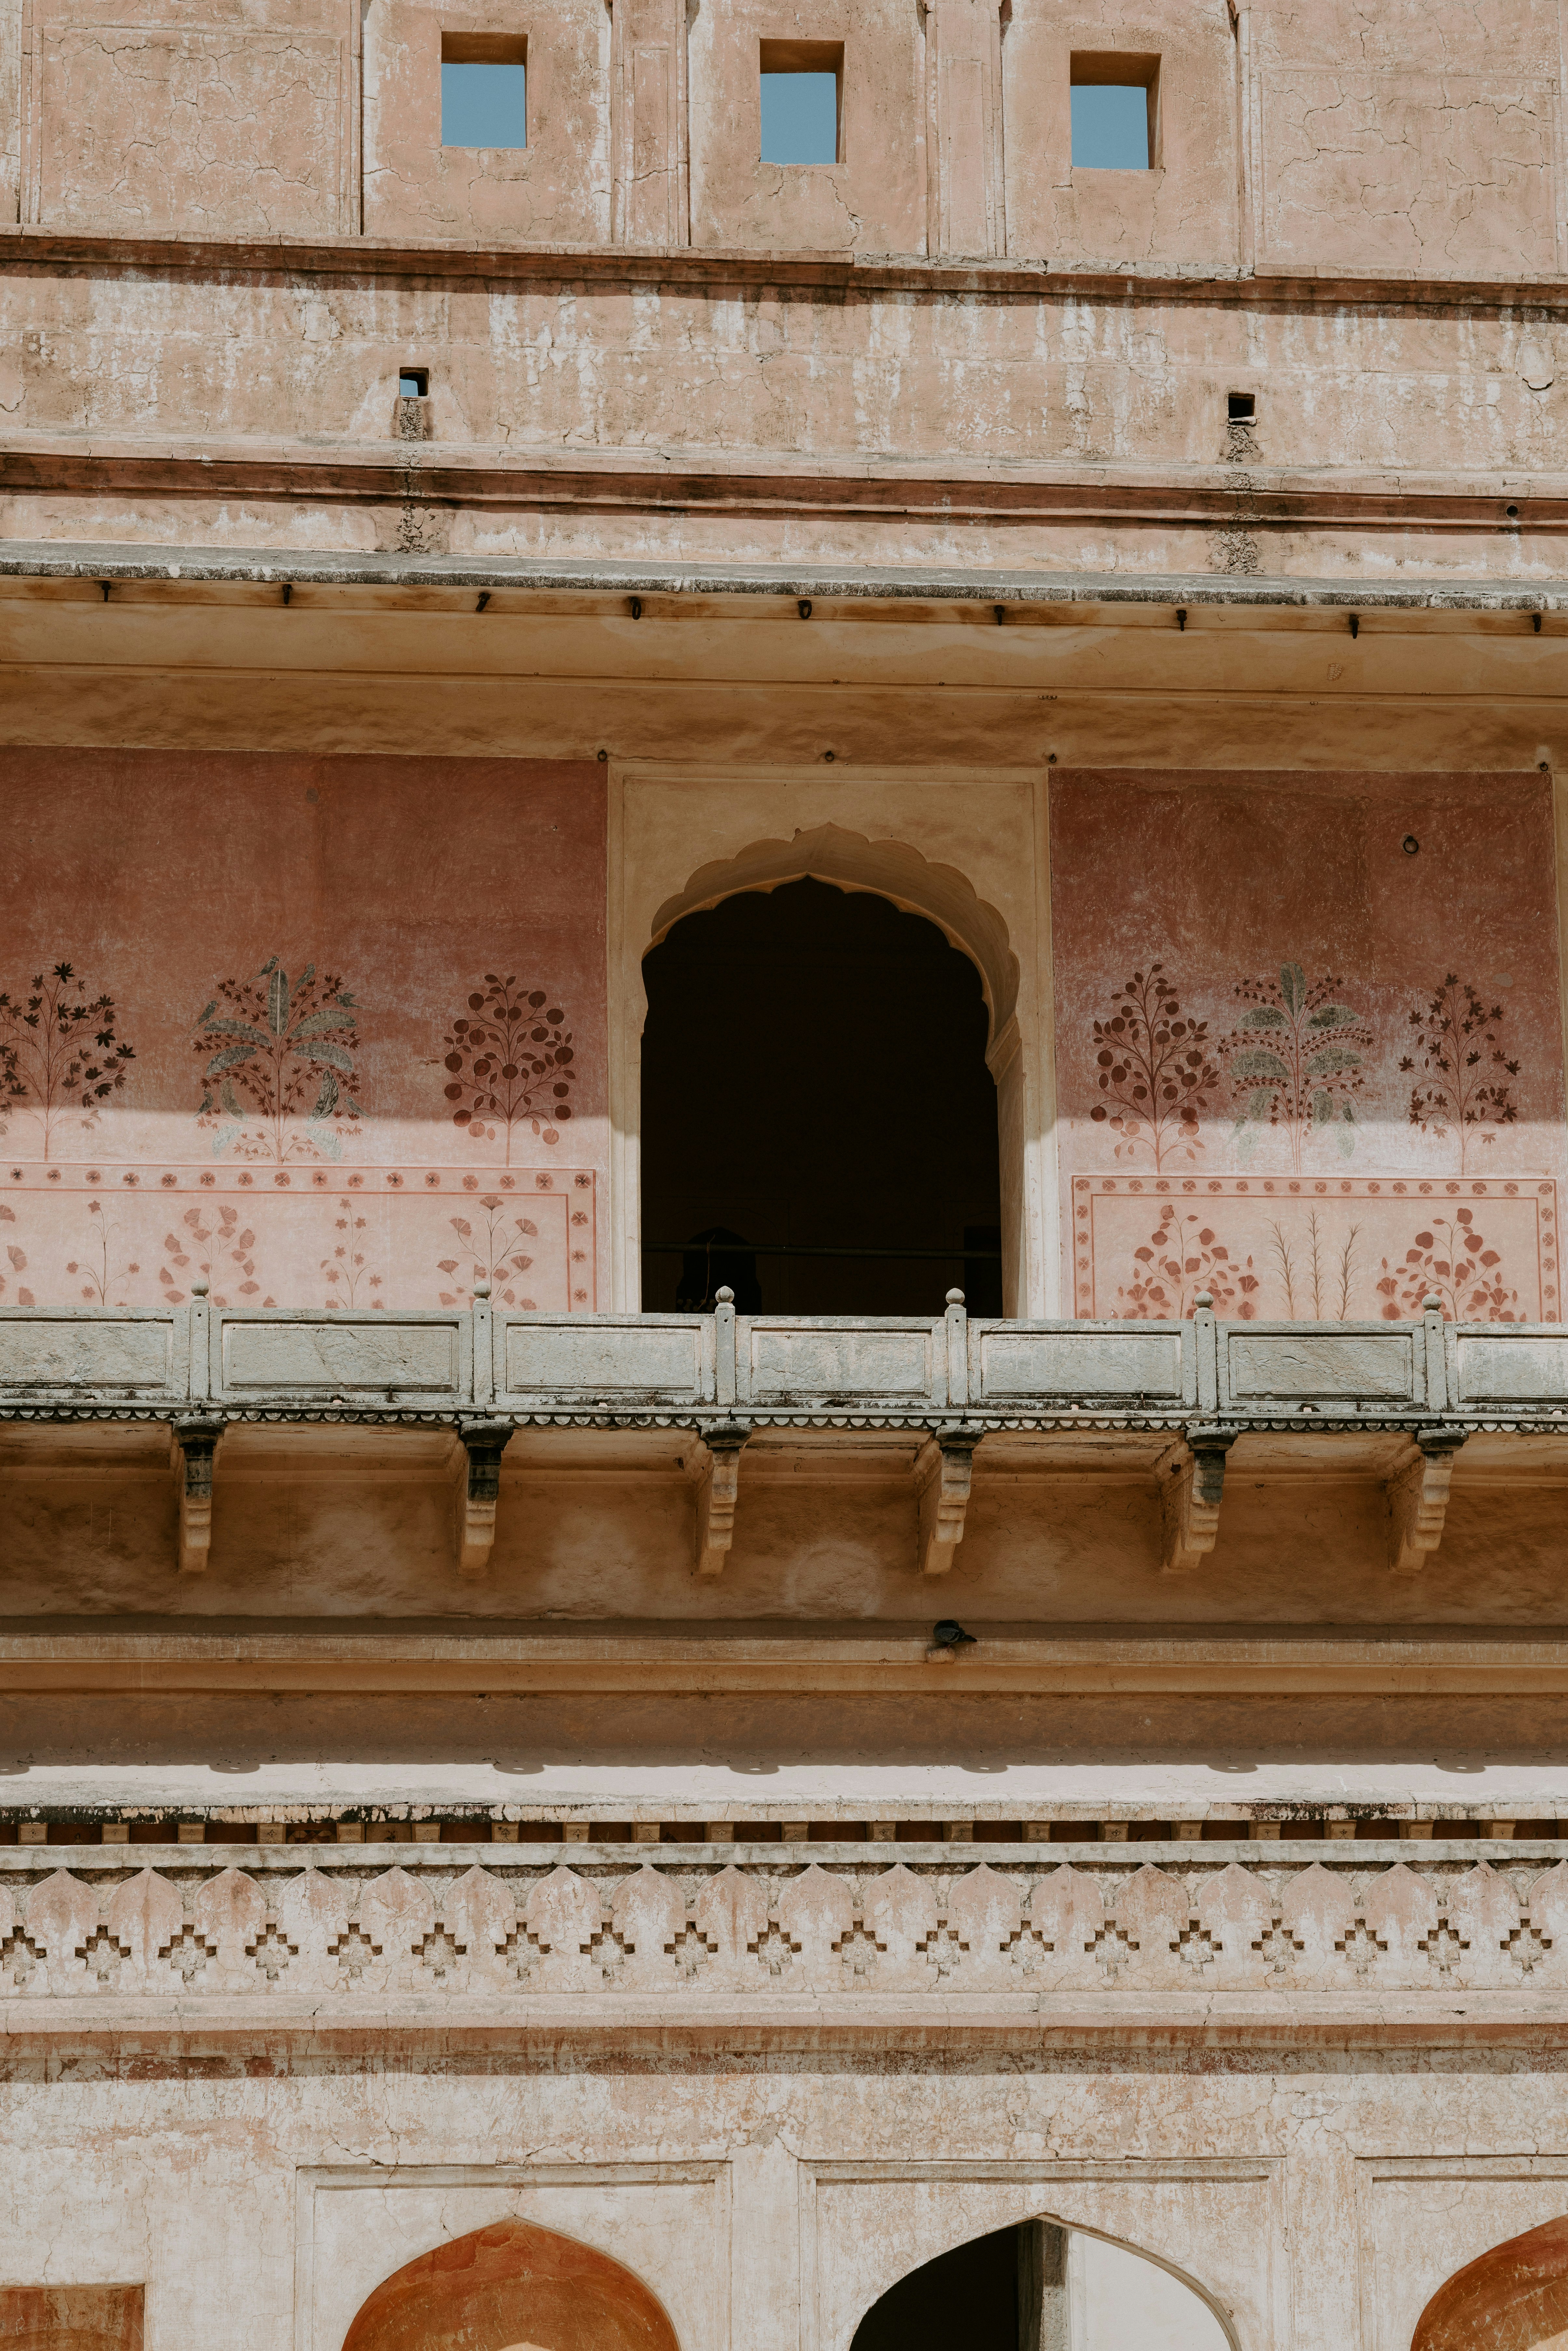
x=512, y=2287
x=1514, y=2298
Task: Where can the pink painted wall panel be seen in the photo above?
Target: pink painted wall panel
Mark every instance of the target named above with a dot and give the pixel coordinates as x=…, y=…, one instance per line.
x=1302, y=1065
x=331, y=1031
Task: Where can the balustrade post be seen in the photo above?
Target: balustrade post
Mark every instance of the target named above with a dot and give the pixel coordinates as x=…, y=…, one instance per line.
x=1206, y=1341
x=482, y=1370
x=957, y=1328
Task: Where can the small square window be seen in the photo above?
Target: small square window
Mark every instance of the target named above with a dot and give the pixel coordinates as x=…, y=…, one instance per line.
x=1241, y=406
x=413, y=384
x=801, y=82
x=483, y=90
x=1115, y=112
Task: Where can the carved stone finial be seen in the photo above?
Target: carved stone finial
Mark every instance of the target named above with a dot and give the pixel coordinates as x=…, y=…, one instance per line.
x=1431, y=1303
x=955, y=1298
x=724, y=1295
x=481, y=1288
x=1205, y=1300
x=200, y=1286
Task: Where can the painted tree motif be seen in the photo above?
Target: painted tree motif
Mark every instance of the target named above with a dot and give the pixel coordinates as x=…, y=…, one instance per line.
x=277, y=1083
x=345, y=1269
x=1451, y=1261
x=1181, y=1258
x=510, y=1060
x=1296, y=1060
x=17, y=1260
x=1462, y=1073
x=496, y=1251
x=60, y=1052
x=1316, y=1278
x=1151, y=1065
x=98, y=1266
x=202, y=1245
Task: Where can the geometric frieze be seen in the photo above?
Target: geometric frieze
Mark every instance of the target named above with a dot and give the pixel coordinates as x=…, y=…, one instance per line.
x=678, y=1931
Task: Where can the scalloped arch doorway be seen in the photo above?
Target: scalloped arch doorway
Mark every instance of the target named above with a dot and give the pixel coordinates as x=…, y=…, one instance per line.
x=966, y=852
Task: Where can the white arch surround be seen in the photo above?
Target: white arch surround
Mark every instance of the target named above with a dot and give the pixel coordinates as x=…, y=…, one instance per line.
x=1209, y=2324
x=967, y=852
x=1216, y=2224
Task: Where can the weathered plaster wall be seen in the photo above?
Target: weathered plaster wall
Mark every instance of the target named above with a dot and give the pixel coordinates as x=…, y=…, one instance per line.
x=555, y=190
x=769, y=2200
x=1392, y=136
x=1325, y=1098
x=245, y=121
x=247, y=1071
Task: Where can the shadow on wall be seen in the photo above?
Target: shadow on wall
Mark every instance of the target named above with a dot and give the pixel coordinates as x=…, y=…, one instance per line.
x=1514, y=2298
x=511, y=2287
x=1041, y=2287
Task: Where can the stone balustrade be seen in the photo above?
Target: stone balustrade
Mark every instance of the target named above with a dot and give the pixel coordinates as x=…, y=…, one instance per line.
x=1025, y=1935
x=770, y=1369
x=1195, y=1386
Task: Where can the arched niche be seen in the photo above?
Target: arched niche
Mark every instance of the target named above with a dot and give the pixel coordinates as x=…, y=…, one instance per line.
x=1042, y=2283
x=512, y=2287
x=1514, y=2298
x=900, y=873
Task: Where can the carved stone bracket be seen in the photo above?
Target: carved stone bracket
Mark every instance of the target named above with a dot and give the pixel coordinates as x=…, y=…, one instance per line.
x=192, y=1453
x=1192, y=1476
x=714, y=1467
x=478, y=1492
x=943, y=1472
x=1418, y=1498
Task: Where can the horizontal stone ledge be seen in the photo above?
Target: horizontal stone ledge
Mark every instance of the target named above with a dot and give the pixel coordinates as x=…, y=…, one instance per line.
x=418, y=1661
x=1271, y=284
x=116, y=560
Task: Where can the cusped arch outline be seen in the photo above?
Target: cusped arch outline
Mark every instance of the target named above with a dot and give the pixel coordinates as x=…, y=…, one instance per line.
x=885, y=869
x=1200, y=2292
x=510, y=2286
x=1513, y=2297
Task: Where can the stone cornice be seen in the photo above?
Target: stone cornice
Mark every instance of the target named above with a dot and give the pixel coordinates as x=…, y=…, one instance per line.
x=705, y=267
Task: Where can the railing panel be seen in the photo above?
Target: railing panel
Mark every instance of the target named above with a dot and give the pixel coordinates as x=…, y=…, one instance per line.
x=1296, y=1363
x=784, y=1361
x=654, y=1359
x=1501, y=1368
x=407, y=1358
x=1025, y=1362
x=141, y=1354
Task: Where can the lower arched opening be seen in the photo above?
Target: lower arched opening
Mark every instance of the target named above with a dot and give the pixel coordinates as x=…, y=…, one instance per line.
x=1042, y=2287
x=1514, y=2298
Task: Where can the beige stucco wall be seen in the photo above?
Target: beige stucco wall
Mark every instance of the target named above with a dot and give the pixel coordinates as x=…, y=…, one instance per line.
x=768, y=2204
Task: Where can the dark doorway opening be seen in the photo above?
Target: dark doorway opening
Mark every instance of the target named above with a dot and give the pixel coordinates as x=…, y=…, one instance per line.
x=969, y=2297
x=817, y=1117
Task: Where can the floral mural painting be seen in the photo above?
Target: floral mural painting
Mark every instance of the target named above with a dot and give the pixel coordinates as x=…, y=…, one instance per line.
x=1296, y=1058
x=1463, y=1076
x=280, y=1065
x=209, y=1246
x=1152, y=1067
x=1182, y=1258
x=1316, y=1275
x=16, y=1259
x=103, y=1268
x=350, y=1281
x=509, y=1062
x=61, y=1056
x=1450, y=1261
x=497, y=1246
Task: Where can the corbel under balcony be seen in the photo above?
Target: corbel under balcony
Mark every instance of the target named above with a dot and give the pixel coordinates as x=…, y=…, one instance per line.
x=908, y=1397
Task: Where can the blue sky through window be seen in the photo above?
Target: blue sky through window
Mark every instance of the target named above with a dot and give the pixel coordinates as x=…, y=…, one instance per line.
x=484, y=105
x=1111, y=127
x=799, y=117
